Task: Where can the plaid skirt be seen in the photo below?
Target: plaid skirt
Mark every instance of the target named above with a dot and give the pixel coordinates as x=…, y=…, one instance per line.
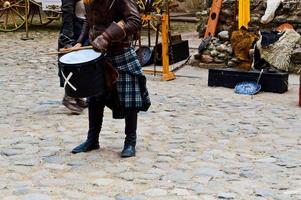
x=129, y=81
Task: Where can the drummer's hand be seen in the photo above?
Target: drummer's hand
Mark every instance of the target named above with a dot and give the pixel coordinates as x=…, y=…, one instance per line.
x=100, y=43
x=65, y=49
x=77, y=45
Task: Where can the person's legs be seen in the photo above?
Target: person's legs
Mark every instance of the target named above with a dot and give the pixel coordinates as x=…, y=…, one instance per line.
x=95, y=108
x=131, y=133
x=74, y=25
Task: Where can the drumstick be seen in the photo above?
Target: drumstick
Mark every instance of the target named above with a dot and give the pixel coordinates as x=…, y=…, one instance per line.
x=63, y=51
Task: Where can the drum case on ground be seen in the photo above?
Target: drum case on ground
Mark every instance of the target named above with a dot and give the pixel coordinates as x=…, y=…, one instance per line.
x=180, y=51
x=270, y=81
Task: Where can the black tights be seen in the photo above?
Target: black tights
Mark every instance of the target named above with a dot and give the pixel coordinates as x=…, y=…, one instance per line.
x=96, y=108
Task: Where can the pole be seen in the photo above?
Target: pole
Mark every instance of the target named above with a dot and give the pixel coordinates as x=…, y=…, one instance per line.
x=26, y=37
x=167, y=75
x=300, y=91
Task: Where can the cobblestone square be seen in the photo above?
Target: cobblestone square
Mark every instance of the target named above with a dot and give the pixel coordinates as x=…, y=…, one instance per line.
x=196, y=142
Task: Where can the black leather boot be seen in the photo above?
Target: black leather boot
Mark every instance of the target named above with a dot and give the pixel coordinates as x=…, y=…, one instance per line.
x=95, y=109
x=128, y=151
x=131, y=135
x=85, y=147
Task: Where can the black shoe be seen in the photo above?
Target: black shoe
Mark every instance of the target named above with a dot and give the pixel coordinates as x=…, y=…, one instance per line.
x=85, y=147
x=128, y=151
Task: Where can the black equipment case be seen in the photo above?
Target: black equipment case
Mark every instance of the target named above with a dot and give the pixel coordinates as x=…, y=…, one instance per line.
x=276, y=82
x=178, y=51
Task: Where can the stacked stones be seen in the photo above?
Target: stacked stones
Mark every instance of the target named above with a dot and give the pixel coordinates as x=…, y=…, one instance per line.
x=296, y=58
x=219, y=51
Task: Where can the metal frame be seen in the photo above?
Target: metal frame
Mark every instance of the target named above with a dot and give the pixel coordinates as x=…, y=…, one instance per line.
x=167, y=75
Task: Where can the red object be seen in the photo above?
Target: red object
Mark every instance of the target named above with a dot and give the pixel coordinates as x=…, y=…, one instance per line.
x=284, y=26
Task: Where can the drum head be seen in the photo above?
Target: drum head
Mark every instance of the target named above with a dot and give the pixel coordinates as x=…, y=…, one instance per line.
x=79, y=57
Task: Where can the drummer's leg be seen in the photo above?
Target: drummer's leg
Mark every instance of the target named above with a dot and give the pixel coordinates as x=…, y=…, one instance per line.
x=131, y=117
x=95, y=109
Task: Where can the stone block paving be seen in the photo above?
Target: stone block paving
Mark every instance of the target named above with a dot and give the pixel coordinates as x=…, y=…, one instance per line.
x=195, y=142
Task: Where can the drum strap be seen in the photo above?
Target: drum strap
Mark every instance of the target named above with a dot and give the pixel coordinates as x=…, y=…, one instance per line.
x=67, y=80
x=111, y=74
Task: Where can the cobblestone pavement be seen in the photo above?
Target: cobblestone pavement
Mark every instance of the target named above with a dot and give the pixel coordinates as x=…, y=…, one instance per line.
x=195, y=142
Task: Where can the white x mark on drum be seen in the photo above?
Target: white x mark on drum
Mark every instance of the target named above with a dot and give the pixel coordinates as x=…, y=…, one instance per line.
x=67, y=80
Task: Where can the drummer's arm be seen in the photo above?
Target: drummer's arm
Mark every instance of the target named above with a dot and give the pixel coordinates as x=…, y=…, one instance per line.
x=117, y=31
x=131, y=16
x=84, y=33
x=128, y=25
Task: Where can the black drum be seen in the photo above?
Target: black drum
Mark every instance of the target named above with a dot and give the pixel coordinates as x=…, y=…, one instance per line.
x=83, y=73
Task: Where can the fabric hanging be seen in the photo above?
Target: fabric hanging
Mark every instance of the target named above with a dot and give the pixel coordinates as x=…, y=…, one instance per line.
x=243, y=13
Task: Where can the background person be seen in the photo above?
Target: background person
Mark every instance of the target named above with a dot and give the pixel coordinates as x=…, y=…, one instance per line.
x=73, y=23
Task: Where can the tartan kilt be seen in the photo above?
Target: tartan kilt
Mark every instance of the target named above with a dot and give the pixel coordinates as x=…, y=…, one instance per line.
x=129, y=68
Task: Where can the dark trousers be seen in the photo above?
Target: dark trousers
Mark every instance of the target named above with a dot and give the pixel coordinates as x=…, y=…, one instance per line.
x=96, y=109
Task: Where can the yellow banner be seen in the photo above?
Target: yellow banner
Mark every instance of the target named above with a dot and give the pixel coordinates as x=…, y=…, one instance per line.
x=244, y=13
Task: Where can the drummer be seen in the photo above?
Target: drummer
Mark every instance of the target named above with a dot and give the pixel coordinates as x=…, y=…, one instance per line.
x=112, y=24
x=74, y=21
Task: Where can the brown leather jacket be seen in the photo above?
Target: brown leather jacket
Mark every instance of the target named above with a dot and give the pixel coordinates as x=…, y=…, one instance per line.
x=101, y=13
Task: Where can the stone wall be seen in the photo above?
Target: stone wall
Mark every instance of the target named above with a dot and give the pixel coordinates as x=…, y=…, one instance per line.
x=289, y=11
